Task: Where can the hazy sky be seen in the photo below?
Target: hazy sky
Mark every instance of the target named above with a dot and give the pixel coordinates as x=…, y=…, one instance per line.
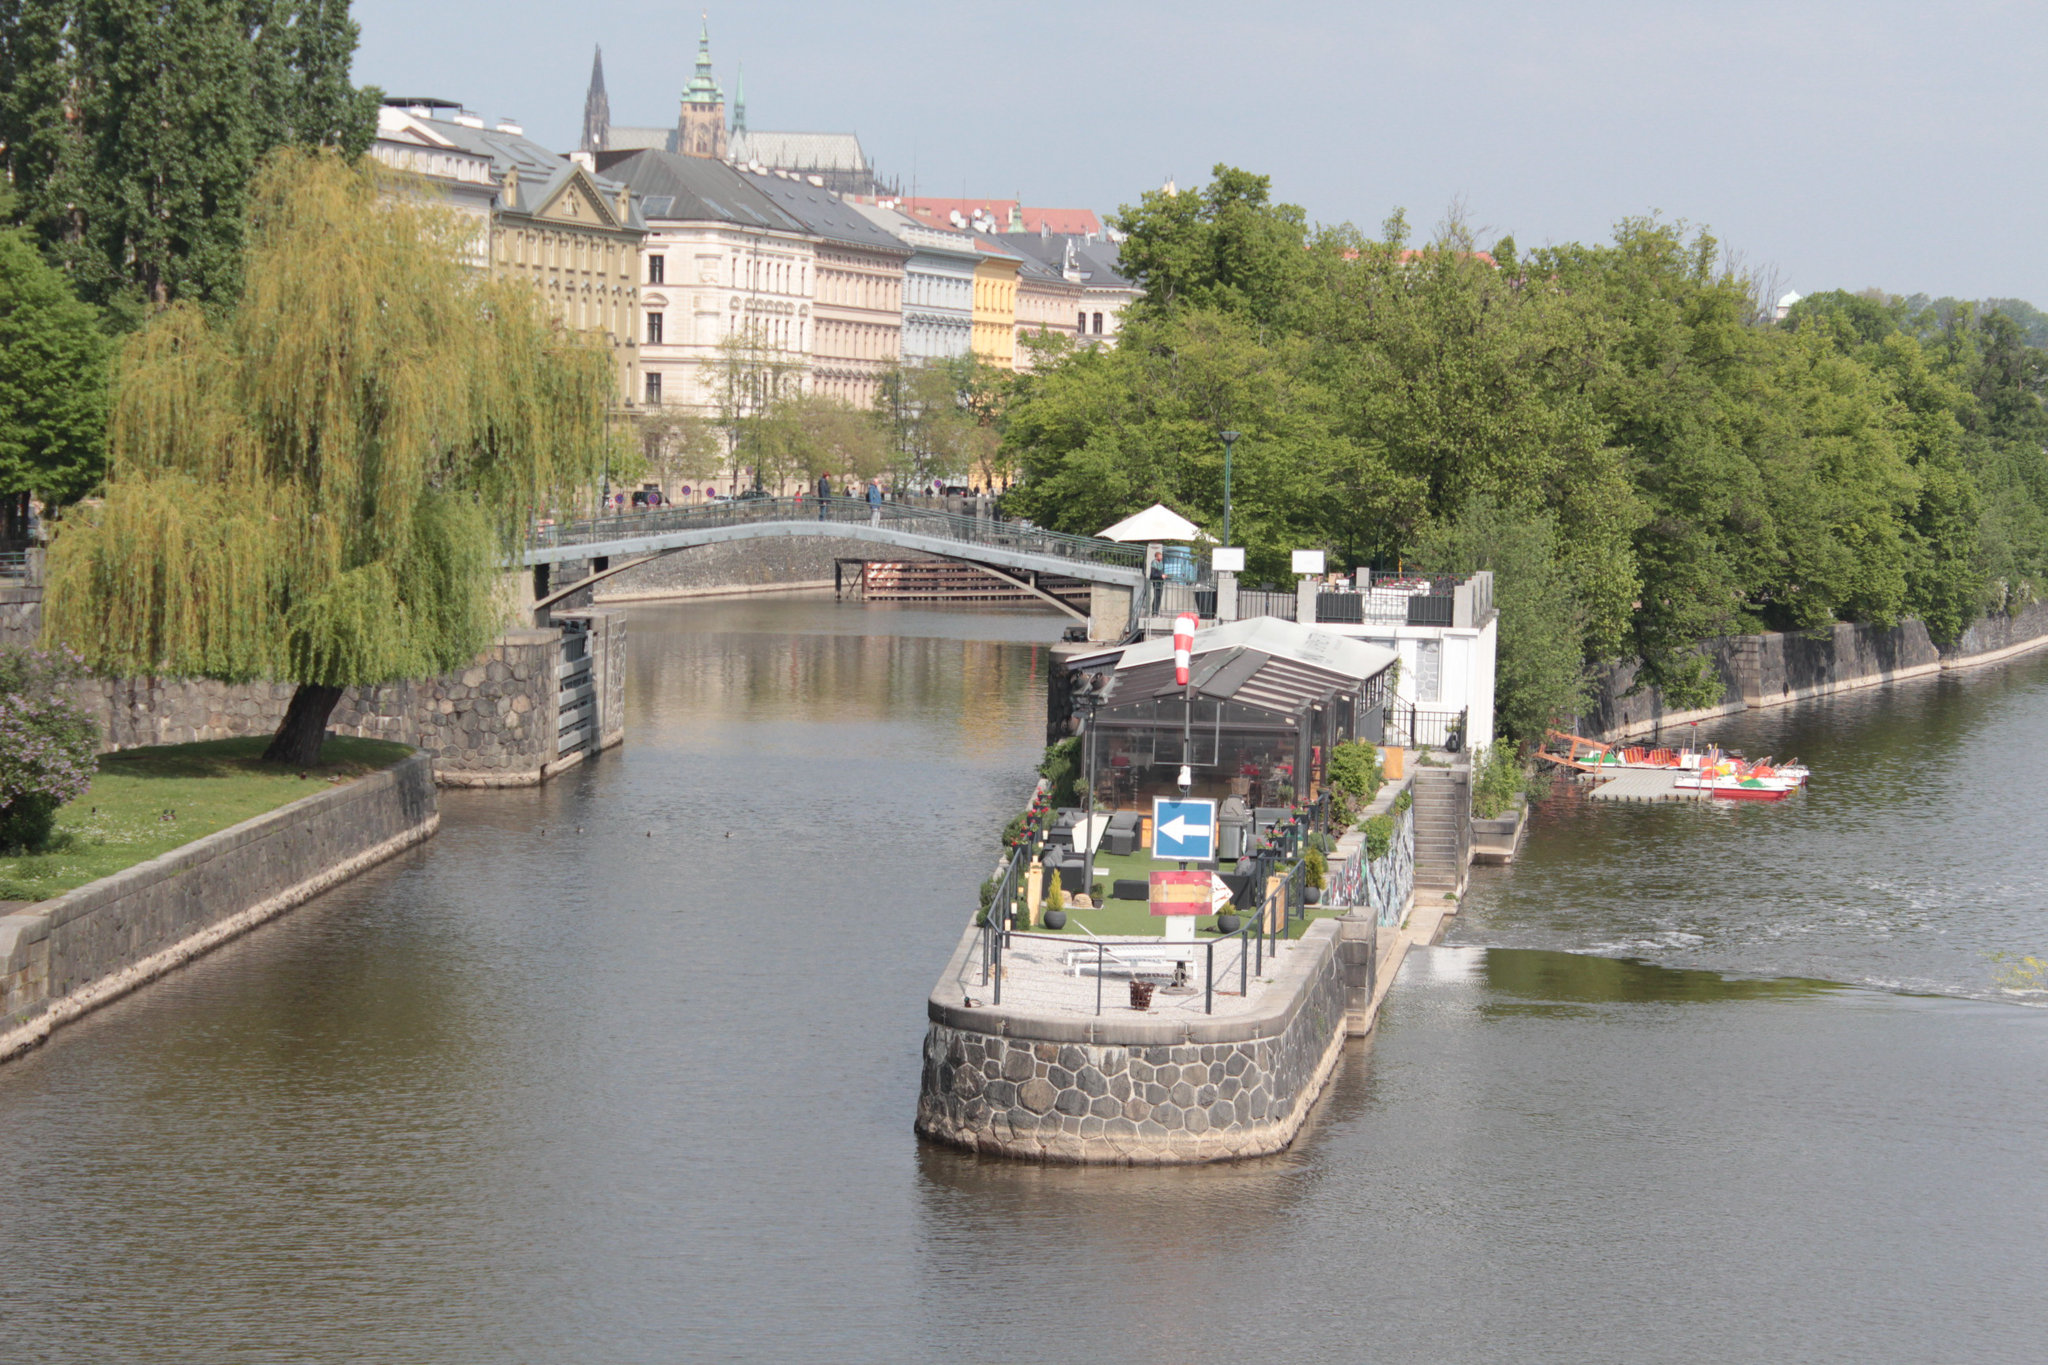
x=1845, y=144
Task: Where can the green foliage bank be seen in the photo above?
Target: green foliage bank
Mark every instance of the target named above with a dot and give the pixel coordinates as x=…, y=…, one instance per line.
x=1615, y=429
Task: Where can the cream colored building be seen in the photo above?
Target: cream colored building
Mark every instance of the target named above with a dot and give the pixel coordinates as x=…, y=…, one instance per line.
x=857, y=309
x=1047, y=301
x=574, y=234
x=721, y=262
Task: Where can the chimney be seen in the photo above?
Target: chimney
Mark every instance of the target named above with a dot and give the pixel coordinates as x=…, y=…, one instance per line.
x=511, y=187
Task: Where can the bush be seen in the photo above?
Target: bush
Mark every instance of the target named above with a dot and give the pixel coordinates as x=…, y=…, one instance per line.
x=1318, y=867
x=47, y=743
x=1499, y=781
x=1061, y=767
x=1405, y=800
x=1379, y=837
x=1354, y=769
x=1014, y=831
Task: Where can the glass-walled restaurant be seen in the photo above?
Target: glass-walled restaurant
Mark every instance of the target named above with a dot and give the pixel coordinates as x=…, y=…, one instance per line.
x=1269, y=700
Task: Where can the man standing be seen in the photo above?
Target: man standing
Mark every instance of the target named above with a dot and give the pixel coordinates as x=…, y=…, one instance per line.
x=874, y=503
x=824, y=494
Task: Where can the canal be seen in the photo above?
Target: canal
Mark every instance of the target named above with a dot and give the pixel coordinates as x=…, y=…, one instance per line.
x=623, y=1069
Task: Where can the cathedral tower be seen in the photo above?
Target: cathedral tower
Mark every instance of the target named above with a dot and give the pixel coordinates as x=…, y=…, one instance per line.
x=700, y=131
x=597, y=109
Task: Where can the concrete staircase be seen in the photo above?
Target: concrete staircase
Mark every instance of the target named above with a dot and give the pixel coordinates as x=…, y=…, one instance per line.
x=1443, y=831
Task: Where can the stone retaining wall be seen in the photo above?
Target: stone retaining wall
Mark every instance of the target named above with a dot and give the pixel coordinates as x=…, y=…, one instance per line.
x=62, y=957
x=492, y=724
x=1779, y=668
x=1138, y=1089
x=21, y=615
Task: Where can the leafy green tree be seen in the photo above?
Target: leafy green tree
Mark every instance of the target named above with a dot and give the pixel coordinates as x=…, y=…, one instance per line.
x=53, y=380
x=322, y=486
x=132, y=128
x=1225, y=246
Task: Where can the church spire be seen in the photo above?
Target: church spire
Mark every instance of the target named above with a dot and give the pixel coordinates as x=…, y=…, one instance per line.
x=739, y=101
x=702, y=88
x=700, y=130
x=597, y=109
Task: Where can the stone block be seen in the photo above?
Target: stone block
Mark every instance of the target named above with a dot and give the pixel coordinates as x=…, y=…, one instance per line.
x=1037, y=1095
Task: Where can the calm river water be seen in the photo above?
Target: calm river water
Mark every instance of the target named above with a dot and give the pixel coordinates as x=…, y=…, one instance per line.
x=623, y=1069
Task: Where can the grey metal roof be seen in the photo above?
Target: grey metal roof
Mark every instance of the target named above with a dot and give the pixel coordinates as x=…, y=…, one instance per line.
x=826, y=215
x=1100, y=263
x=541, y=172
x=1263, y=661
x=621, y=138
x=799, y=151
x=699, y=189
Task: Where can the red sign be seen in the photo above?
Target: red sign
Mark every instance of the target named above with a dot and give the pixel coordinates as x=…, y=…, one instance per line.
x=1180, y=893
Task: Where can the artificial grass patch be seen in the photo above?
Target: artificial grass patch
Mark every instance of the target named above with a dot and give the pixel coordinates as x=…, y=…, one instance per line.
x=148, y=801
x=1135, y=918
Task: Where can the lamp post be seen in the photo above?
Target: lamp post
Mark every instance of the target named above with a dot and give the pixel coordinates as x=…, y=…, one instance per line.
x=1229, y=440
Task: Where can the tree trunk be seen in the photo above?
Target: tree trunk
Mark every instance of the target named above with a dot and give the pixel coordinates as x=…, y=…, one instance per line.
x=304, y=726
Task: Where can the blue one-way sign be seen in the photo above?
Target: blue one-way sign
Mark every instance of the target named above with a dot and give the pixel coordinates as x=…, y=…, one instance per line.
x=1183, y=829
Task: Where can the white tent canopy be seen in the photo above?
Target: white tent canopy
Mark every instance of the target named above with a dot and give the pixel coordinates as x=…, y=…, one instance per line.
x=1156, y=523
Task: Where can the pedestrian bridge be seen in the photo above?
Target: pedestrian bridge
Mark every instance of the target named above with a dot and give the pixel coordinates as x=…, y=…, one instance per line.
x=1009, y=550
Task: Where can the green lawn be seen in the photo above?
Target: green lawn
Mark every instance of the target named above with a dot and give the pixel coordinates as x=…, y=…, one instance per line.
x=148, y=801
x=1135, y=918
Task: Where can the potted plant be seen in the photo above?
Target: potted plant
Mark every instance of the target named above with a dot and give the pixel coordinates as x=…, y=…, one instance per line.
x=1316, y=869
x=1229, y=922
x=1056, y=906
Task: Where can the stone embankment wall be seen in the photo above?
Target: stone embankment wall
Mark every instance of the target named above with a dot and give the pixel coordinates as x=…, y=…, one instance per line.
x=1775, y=669
x=62, y=957
x=494, y=723
x=21, y=615
x=1141, y=1089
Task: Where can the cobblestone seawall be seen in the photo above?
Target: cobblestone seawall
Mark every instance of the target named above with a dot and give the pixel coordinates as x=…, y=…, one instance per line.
x=1779, y=668
x=60, y=958
x=1136, y=1089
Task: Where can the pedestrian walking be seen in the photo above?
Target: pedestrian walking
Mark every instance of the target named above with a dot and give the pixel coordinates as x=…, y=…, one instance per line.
x=824, y=494
x=874, y=503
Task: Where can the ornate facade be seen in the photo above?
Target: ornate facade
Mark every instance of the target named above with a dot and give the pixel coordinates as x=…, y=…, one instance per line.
x=857, y=309
x=995, y=304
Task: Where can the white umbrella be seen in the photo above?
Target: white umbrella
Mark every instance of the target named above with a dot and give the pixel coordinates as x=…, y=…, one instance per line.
x=1156, y=523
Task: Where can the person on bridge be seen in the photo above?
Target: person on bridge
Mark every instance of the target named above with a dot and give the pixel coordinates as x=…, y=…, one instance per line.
x=874, y=503
x=824, y=494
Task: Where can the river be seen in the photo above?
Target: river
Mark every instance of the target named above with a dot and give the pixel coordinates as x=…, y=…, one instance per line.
x=623, y=1069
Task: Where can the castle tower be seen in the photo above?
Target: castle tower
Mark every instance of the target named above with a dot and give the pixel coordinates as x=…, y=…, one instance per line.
x=597, y=109
x=739, y=101
x=700, y=131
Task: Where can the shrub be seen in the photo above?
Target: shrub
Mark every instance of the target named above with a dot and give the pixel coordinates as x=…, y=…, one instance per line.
x=1499, y=781
x=1405, y=800
x=47, y=743
x=1061, y=767
x=1379, y=837
x=1318, y=867
x=1354, y=769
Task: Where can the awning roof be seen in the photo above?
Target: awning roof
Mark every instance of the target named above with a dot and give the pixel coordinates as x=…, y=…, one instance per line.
x=1157, y=522
x=1264, y=662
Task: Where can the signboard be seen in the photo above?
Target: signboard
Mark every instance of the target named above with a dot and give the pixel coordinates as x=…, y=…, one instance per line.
x=1308, y=561
x=1230, y=560
x=1181, y=893
x=1183, y=829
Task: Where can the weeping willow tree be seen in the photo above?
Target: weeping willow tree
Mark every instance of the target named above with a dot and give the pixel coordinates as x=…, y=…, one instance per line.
x=322, y=487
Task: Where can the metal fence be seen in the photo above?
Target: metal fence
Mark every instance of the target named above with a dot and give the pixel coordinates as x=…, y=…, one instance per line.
x=13, y=563
x=1412, y=727
x=576, y=727
x=915, y=520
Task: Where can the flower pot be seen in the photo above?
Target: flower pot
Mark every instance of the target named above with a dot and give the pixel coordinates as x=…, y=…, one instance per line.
x=1312, y=895
x=1055, y=919
x=1141, y=995
x=1227, y=923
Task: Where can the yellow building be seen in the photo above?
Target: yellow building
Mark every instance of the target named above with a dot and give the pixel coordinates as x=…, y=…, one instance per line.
x=994, y=335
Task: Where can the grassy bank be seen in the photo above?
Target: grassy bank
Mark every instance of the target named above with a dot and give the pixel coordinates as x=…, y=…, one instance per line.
x=149, y=801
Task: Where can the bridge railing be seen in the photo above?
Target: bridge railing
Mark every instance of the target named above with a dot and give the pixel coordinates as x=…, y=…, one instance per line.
x=940, y=525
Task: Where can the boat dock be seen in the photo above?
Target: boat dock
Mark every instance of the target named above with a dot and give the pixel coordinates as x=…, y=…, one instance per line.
x=1647, y=784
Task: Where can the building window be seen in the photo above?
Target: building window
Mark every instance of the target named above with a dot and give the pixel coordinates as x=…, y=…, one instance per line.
x=653, y=386
x=1082, y=327
x=655, y=266
x=654, y=329
x=1429, y=670
x=1098, y=324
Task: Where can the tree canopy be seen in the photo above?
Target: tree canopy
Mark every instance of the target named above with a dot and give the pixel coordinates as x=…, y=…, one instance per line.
x=53, y=379
x=320, y=486
x=131, y=129
x=1681, y=466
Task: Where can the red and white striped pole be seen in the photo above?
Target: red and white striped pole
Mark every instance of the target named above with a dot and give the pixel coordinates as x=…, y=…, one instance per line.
x=1183, y=645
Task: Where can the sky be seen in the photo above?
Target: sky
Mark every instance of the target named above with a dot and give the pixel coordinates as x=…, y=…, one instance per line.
x=1831, y=145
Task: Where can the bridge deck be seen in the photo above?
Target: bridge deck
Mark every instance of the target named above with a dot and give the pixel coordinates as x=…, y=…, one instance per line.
x=980, y=540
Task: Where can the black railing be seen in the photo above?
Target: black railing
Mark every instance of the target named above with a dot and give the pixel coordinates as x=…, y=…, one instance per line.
x=1412, y=727
x=897, y=516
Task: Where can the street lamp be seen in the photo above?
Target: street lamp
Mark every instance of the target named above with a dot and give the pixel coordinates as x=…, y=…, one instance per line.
x=1229, y=440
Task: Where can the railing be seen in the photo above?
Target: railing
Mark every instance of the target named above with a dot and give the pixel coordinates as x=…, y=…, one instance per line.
x=1280, y=906
x=1280, y=604
x=913, y=520
x=1411, y=727
x=576, y=727
x=13, y=563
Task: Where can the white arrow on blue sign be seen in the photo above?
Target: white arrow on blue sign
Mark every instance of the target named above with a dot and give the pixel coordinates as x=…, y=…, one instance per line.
x=1183, y=829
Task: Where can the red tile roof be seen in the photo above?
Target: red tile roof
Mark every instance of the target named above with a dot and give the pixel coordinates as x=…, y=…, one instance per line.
x=938, y=213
